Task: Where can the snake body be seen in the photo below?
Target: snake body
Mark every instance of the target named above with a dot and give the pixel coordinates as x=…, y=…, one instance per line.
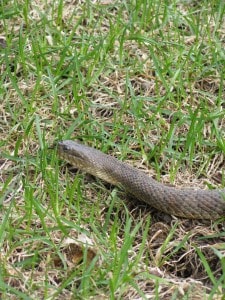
x=187, y=203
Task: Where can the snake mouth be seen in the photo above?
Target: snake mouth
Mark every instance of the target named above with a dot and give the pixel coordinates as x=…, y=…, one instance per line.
x=60, y=146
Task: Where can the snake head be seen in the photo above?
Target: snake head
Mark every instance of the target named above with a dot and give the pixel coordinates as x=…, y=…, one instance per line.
x=73, y=152
x=70, y=148
x=88, y=159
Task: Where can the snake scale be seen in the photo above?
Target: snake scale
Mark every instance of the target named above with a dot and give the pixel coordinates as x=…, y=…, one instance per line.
x=187, y=203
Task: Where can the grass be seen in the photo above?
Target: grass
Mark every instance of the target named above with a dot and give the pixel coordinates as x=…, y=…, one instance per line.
x=142, y=81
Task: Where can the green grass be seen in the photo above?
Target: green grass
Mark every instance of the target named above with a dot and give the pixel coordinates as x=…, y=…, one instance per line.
x=142, y=81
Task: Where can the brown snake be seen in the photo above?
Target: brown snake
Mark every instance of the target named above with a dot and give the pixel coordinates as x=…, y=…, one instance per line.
x=187, y=203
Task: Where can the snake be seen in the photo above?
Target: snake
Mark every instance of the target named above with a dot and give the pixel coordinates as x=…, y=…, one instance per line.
x=187, y=203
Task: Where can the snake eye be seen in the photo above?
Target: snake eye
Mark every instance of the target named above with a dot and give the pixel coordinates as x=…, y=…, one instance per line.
x=63, y=146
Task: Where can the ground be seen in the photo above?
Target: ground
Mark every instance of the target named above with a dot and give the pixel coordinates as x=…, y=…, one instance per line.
x=142, y=81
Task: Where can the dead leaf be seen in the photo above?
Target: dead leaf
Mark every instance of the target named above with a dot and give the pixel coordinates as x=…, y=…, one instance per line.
x=2, y=42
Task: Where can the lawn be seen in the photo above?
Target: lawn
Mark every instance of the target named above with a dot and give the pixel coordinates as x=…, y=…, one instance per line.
x=142, y=81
